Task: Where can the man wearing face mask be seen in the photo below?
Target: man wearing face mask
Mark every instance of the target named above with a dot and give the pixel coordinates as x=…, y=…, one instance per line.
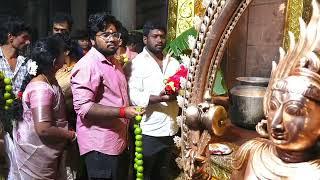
x=101, y=102
x=147, y=73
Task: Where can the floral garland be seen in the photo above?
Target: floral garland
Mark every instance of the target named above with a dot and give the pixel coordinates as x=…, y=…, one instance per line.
x=123, y=59
x=174, y=83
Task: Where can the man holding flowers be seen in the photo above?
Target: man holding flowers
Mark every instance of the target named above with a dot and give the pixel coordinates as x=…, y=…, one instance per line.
x=147, y=74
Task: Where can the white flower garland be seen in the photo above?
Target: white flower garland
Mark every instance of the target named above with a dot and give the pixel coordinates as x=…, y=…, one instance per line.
x=205, y=3
x=191, y=41
x=32, y=68
x=177, y=141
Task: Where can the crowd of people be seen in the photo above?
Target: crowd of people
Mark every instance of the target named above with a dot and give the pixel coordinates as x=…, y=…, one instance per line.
x=80, y=101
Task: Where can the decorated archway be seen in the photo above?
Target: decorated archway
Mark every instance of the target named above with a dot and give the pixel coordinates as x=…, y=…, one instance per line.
x=218, y=21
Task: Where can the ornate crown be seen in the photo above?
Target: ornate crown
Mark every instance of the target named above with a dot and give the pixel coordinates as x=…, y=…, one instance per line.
x=301, y=60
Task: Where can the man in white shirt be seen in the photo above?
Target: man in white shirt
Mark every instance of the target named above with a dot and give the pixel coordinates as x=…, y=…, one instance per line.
x=146, y=76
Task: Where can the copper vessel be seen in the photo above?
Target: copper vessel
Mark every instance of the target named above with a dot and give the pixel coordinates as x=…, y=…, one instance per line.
x=246, y=105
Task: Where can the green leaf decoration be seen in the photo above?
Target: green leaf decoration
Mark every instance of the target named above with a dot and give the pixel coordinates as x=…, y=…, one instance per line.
x=180, y=44
x=219, y=87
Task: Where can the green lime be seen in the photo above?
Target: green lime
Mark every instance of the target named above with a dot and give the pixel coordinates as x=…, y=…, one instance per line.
x=139, y=178
x=138, y=137
x=135, y=166
x=135, y=126
x=139, y=149
x=139, y=109
x=139, y=162
x=7, y=81
x=140, y=169
x=6, y=107
x=138, y=118
x=137, y=131
x=6, y=95
x=1, y=75
x=8, y=88
x=138, y=143
x=139, y=156
x=139, y=175
x=9, y=102
x=136, y=159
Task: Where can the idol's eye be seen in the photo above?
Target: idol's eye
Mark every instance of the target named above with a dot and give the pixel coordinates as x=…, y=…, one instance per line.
x=273, y=105
x=295, y=109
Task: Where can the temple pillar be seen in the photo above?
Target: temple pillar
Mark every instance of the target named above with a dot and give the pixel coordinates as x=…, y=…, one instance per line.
x=79, y=13
x=125, y=12
x=37, y=16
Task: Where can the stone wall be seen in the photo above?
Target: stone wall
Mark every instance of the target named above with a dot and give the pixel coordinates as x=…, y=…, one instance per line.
x=255, y=42
x=151, y=9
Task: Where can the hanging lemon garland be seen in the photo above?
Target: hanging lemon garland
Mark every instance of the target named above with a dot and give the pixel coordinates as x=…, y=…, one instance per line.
x=138, y=160
x=8, y=96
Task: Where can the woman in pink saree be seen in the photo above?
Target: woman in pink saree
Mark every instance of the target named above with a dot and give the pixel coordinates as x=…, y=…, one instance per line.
x=42, y=135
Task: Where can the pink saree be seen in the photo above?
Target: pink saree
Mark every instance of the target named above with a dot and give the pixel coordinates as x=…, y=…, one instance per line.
x=34, y=158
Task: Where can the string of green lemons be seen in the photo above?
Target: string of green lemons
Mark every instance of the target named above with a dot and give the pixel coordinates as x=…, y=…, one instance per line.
x=138, y=160
x=8, y=94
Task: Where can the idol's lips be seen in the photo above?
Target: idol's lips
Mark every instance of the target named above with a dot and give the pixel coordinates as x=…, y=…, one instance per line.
x=279, y=136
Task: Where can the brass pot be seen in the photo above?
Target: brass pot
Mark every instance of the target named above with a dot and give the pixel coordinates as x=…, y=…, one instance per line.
x=246, y=105
x=253, y=81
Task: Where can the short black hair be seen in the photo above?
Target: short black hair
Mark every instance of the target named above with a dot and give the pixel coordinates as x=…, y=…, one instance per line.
x=151, y=25
x=136, y=38
x=99, y=21
x=69, y=45
x=63, y=17
x=80, y=34
x=45, y=51
x=12, y=25
x=124, y=36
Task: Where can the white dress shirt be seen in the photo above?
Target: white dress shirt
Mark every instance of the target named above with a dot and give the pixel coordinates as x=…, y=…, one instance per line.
x=147, y=78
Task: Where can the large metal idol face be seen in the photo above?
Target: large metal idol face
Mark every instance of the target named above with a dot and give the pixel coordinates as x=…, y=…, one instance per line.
x=293, y=115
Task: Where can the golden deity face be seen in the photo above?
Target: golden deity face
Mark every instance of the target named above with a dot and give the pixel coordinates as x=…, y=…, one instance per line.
x=293, y=117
